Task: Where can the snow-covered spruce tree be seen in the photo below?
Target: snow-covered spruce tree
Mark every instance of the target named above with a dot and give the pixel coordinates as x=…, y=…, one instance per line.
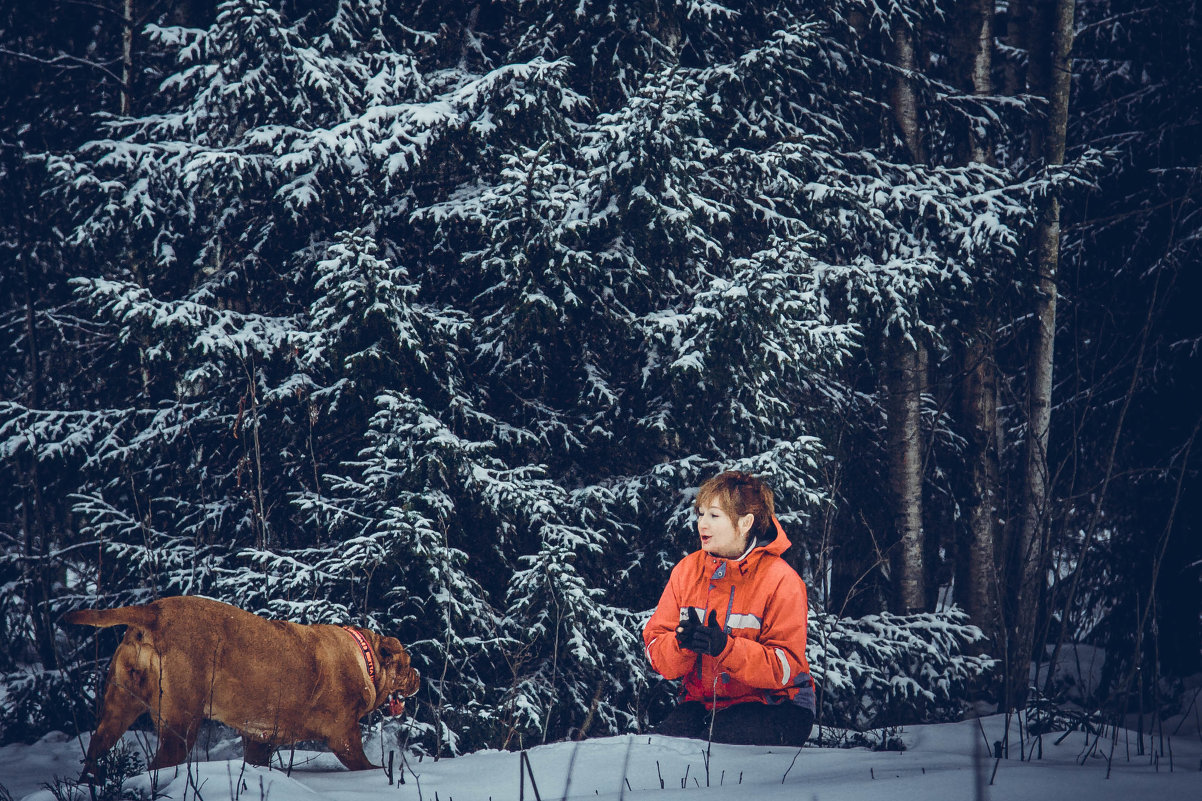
x=710, y=345
x=203, y=216
x=886, y=669
x=389, y=528
x=190, y=219
x=543, y=333
x=205, y=202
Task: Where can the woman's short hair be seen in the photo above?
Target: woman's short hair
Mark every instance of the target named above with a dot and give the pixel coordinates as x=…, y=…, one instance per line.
x=738, y=493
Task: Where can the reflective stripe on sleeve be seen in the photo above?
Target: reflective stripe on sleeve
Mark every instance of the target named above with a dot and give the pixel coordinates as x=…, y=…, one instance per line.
x=784, y=664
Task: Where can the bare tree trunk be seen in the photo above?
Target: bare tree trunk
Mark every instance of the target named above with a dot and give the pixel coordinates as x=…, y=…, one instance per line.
x=980, y=39
x=33, y=510
x=982, y=590
x=903, y=386
x=1050, y=74
x=904, y=444
x=902, y=96
x=982, y=579
x=1015, y=40
x=127, y=55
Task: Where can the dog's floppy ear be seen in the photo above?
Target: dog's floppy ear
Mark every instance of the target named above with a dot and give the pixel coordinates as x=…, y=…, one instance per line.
x=392, y=653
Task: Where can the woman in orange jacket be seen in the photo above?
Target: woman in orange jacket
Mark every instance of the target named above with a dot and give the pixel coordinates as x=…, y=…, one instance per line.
x=732, y=623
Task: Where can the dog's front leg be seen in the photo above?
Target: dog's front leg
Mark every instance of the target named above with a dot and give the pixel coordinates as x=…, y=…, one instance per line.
x=177, y=735
x=348, y=747
x=255, y=752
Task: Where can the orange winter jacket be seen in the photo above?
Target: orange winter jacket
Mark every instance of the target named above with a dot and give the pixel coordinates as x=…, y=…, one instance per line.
x=761, y=604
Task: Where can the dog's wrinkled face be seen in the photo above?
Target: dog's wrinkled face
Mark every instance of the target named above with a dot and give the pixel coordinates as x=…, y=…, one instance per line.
x=400, y=679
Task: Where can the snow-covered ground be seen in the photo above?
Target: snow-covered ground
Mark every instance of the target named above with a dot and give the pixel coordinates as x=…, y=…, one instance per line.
x=941, y=763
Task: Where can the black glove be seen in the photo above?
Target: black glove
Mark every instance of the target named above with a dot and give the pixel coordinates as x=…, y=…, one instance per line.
x=689, y=623
x=708, y=639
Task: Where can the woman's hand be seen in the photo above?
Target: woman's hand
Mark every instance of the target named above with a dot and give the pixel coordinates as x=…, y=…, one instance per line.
x=689, y=623
x=709, y=639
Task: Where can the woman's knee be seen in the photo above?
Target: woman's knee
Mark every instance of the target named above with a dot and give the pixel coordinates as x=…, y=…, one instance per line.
x=796, y=723
x=763, y=724
x=685, y=720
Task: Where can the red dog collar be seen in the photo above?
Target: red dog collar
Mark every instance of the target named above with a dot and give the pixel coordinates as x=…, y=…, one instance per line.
x=365, y=649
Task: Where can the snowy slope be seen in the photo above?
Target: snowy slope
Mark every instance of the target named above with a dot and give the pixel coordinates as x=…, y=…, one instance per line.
x=941, y=763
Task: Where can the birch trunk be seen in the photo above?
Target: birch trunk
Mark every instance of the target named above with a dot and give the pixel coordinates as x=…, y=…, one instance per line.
x=902, y=95
x=903, y=387
x=1051, y=78
x=1015, y=39
x=127, y=55
x=980, y=40
x=982, y=579
x=905, y=473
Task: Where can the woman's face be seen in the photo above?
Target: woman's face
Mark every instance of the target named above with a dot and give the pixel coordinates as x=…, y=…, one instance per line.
x=720, y=535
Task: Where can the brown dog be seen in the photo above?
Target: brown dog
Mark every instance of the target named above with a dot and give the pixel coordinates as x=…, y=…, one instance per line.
x=185, y=659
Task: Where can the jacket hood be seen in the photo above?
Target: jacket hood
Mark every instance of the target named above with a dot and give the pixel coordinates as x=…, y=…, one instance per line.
x=781, y=543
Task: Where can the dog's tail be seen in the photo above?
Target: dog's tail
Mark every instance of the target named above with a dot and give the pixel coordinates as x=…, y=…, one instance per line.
x=140, y=616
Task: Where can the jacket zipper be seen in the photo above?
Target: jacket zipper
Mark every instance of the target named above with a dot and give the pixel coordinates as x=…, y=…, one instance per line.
x=730, y=604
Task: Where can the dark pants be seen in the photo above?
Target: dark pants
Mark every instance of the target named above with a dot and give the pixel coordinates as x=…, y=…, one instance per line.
x=741, y=724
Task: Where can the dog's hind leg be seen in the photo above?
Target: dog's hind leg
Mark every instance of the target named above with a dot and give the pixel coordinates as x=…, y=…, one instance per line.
x=177, y=724
x=348, y=747
x=121, y=709
x=127, y=695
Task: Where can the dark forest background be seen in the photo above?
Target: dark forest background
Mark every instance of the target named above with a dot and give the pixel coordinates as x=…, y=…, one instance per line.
x=430, y=317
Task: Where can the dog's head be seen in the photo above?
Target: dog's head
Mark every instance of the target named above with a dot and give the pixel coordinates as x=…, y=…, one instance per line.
x=399, y=680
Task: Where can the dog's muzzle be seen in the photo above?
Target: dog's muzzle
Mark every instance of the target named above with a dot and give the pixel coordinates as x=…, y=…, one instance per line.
x=408, y=689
